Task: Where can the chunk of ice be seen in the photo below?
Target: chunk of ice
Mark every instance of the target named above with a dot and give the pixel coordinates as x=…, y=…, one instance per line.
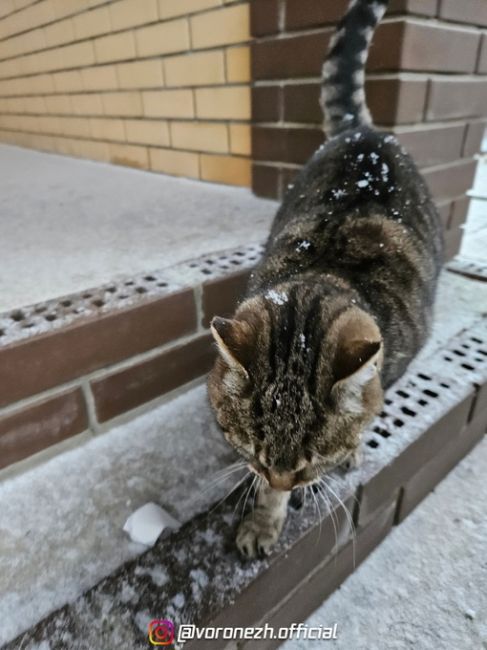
x=146, y=524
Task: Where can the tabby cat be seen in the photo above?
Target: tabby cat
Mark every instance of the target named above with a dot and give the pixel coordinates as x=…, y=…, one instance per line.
x=340, y=303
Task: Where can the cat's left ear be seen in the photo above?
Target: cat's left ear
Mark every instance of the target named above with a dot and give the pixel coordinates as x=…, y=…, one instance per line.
x=358, y=355
x=235, y=340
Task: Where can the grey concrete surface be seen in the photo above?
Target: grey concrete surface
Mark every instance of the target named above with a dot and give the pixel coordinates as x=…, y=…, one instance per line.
x=68, y=224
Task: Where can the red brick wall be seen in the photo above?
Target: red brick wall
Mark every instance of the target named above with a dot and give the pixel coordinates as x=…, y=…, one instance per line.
x=425, y=83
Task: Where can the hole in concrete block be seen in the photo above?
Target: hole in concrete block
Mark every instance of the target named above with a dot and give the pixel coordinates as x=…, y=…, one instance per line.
x=150, y=278
x=467, y=366
x=423, y=402
x=408, y=411
x=402, y=393
x=373, y=443
x=87, y=296
x=98, y=303
x=66, y=303
x=129, y=283
x=459, y=353
x=425, y=377
x=17, y=316
x=382, y=432
x=398, y=422
x=2, y=332
x=162, y=284
x=206, y=271
x=444, y=384
x=40, y=310
x=475, y=340
x=112, y=289
x=123, y=296
x=50, y=317
x=429, y=392
x=141, y=290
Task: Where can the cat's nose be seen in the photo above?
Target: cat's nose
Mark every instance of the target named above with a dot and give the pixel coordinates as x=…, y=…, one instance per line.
x=281, y=480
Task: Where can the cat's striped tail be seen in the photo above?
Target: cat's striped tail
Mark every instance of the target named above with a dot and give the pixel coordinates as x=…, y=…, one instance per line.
x=343, y=94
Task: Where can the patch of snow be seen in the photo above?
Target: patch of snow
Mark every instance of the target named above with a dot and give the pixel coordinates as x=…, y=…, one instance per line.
x=277, y=297
x=363, y=183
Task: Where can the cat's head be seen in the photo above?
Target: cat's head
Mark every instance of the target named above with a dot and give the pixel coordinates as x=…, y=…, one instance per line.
x=295, y=382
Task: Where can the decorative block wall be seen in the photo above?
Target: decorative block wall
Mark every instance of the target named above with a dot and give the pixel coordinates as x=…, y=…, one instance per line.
x=155, y=84
x=426, y=83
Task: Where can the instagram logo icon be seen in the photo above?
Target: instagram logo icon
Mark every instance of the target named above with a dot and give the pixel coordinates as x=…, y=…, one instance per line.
x=161, y=632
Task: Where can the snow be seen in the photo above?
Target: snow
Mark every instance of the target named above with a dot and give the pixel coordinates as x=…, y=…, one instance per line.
x=362, y=183
x=277, y=297
x=424, y=586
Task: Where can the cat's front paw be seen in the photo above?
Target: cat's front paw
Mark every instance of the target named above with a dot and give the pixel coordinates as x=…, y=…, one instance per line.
x=353, y=461
x=256, y=538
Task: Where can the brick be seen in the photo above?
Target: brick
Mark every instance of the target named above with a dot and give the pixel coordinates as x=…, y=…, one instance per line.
x=265, y=181
x=264, y=17
x=450, y=98
x=162, y=38
x=431, y=473
x=168, y=103
x=126, y=389
x=122, y=104
x=473, y=12
x=195, y=69
x=116, y=47
x=150, y=132
x=101, y=77
x=459, y=212
x=265, y=103
x=240, y=142
x=129, y=155
x=409, y=45
x=59, y=33
x=107, y=129
x=12, y=47
x=482, y=64
x=226, y=169
x=301, y=103
x=453, y=242
x=232, y=103
x=58, y=104
x=132, y=13
x=327, y=576
x=396, y=100
x=221, y=27
x=238, y=64
x=432, y=145
x=474, y=136
x=221, y=296
x=292, y=145
x=87, y=104
x=290, y=57
x=92, y=23
x=65, y=82
x=377, y=492
x=184, y=7
x=33, y=428
x=313, y=13
x=177, y=163
x=420, y=7
x=76, y=127
x=444, y=210
x=479, y=410
x=141, y=74
x=42, y=362
x=450, y=180
x=200, y=136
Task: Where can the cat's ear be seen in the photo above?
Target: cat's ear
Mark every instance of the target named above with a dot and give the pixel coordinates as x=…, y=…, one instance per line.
x=358, y=355
x=235, y=341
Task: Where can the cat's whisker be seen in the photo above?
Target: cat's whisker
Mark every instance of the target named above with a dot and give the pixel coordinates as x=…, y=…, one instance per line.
x=331, y=513
x=349, y=519
x=223, y=476
x=256, y=489
x=336, y=482
x=319, y=515
x=249, y=491
x=231, y=492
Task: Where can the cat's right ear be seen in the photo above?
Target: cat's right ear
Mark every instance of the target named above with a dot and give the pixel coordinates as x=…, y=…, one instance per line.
x=234, y=339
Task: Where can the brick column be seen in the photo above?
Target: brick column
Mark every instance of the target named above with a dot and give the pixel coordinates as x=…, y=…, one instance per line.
x=426, y=83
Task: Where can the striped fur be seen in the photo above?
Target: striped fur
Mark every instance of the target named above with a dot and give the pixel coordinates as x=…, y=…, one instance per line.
x=339, y=305
x=343, y=95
